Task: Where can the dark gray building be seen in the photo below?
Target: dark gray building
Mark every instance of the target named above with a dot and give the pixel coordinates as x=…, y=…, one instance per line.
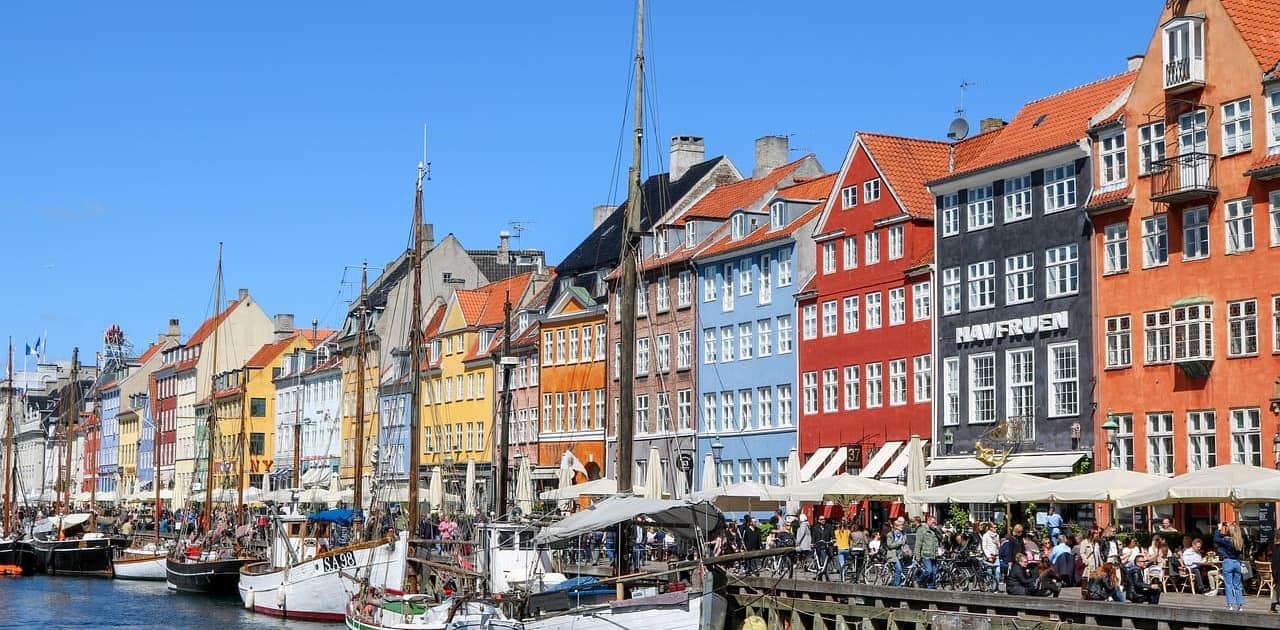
x=1013, y=327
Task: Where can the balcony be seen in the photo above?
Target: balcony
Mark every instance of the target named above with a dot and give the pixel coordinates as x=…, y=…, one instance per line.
x=1186, y=177
x=1183, y=75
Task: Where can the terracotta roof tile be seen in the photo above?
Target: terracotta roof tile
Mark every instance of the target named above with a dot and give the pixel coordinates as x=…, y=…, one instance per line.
x=907, y=163
x=1048, y=123
x=1259, y=24
x=764, y=233
x=267, y=353
x=810, y=286
x=723, y=200
x=922, y=260
x=151, y=351
x=206, y=328
x=1265, y=164
x=1110, y=197
x=811, y=189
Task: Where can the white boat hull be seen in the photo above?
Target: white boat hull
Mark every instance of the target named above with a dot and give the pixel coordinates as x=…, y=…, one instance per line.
x=470, y=616
x=140, y=568
x=319, y=588
x=639, y=613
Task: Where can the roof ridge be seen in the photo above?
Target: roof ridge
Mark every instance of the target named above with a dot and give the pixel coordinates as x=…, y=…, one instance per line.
x=1080, y=87
x=901, y=137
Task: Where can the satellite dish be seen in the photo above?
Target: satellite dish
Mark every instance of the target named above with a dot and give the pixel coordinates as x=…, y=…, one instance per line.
x=958, y=130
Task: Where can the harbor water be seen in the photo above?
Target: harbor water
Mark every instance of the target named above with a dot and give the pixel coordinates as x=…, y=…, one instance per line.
x=66, y=602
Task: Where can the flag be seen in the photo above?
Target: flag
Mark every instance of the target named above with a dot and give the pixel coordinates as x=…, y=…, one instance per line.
x=28, y=351
x=39, y=350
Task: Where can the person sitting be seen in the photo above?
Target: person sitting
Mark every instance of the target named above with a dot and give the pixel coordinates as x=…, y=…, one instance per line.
x=1019, y=580
x=1137, y=588
x=1047, y=580
x=1104, y=585
x=1192, y=559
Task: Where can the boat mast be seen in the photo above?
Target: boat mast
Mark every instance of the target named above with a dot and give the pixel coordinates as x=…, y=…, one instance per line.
x=73, y=410
x=297, y=428
x=242, y=446
x=211, y=417
x=504, y=424
x=357, y=490
x=8, y=447
x=97, y=417
x=155, y=461
x=415, y=359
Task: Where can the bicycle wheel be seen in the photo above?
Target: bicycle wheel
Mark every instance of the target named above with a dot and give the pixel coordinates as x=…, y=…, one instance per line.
x=878, y=574
x=782, y=565
x=985, y=581
x=960, y=579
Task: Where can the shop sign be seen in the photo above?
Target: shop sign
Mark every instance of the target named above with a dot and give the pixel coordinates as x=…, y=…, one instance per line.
x=1017, y=327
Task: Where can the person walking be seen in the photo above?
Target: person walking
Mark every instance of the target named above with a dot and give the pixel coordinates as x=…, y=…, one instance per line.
x=896, y=550
x=823, y=542
x=928, y=542
x=804, y=539
x=1230, y=543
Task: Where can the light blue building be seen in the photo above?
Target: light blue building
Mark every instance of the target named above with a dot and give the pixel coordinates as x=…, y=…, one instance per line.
x=109, y=447
x=747, y=337
x=141, y=404
x=394, y=395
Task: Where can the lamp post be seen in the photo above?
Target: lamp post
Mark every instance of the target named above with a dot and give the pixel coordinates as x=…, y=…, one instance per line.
x=717, y=449
x=1111, y=427
x=948, y=441
x=1275, y=447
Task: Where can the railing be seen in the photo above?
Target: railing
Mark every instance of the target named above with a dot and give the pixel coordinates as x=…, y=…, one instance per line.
x=1184, y=177
x=1183, y=72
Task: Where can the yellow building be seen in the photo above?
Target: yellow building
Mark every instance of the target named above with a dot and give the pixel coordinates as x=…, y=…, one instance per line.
x=245, y=401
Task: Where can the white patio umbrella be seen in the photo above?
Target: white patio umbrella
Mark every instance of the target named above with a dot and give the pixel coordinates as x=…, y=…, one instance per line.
x=564, y=476
x=742, y=497
x=469, y=493
x=710, y=476
x=524, y=487
x=653, y=486
x=993, y=488
x=1211, y=485
x=1098, y=486
x=793, y=479
x=845, y=489
x=1266, y=489
x=602, y=487
x=253, y=494
x=435, y=490
x=915, y=474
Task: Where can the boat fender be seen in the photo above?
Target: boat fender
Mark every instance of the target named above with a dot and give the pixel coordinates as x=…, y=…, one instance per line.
x=280, y=594
x=248, y=598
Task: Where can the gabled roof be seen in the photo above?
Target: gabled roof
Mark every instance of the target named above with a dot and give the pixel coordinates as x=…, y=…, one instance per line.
x=807, y=189
x=721, y=201
x=906, y=164
x=1047, y=124
x=761, y=235
x=268, y=353
x=1259, y=24
x=207, y=327
x=603, y=246
x=151, y=351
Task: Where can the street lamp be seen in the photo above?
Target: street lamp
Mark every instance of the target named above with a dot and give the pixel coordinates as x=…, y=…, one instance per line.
x=948, y=441
x=1275, y=447
x=1111, y=427
x=717, y=449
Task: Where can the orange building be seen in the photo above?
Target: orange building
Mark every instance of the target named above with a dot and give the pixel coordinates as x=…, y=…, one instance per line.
x=572, y=383
x=1186, y=215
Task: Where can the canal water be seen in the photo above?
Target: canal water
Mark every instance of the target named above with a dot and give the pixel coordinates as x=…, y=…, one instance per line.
x=66, y=602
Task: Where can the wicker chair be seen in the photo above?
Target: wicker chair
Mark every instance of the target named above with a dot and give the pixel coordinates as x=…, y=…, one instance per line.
x=1266, y=580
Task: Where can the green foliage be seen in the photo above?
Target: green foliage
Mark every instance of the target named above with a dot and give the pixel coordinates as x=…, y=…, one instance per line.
x=958, y=516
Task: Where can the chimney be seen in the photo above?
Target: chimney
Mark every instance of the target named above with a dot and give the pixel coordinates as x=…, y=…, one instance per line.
x=685, y=152
x=771, y=152
x=428, y=232
x=1134, y=62
x=990, y=124
x=600, y=213
x=284, y=326
x=504, y=248
x=174, y=332
x=244, y=293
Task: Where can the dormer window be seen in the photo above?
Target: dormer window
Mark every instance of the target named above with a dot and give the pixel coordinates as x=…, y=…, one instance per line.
x=661, y=244
x=690, y=234
x=777, y=216
x=1184, y=53
x=522, y=322
x=739, y=226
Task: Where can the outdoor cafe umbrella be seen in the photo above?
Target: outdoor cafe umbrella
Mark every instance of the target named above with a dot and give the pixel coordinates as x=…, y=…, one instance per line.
x=1265, y=489
x=469, y=494
x=564, y=477
x=653, y=486
x=844, y=489
x=1098, y=486
x=993, y=488
x=524, y=486
x=915, y=474
x=1210, y=485
x=710, y=478
x=742, y=497
x=793, y=478
x=595, y=488
x=435, y=489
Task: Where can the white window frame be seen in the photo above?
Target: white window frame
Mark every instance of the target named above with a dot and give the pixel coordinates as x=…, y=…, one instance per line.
x=1020, y=384
x=1151, y=146
x=1246, y=436
x=727, y=340
x=809, y=321
x=663, y=344
x=921, y=301
x=852, y=387
x=1275, y=324
x=784, y=334
x=830, y=318
x=897, y=382
x=830, y=390
x=871, y=248
x=1272, y=103
x=1274, y=217
x=851, y=314
x=708, y=345
x=950, y=214
x=1193, y=332
x=684, y=289
x=982, y=285
x=1060, y=188
x=785, y=411
x=874, y=373
x=981, y=391
x=1195, y=229
x=1160, y=443
x=745, y=283
x=745, y=341
x=784, y=268
x=1237, y=126
x=1116, y=248
x=952, y=295
x=809, y=380
x=1112, y=159
x=828, y=258
x=850, y=252
x=764, y=400
x=662, y=294
x=1019, y=278
x=1062, y=270
x=980, y=209
x=848, y=197
x=1119, y=333
x=1064, y=388
x=951, y=391
x=896, y=245
x=726, y=287
x=709, y=285
x=871, y=190
x=922, y=374
x=1017, y=198
x=1155, y=241
x=764, y=338
x=897, y=306
x=1239, y=223
x=1157, y=335
x=873, y=302
x=1202, y=439
x=766, y=279
x=1242, y=328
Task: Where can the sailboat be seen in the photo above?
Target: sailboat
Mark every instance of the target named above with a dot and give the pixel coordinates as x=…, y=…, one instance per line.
x=301, y=580
x=212, y=566
x=66, y=544
x=148, y=562
x=16, y=556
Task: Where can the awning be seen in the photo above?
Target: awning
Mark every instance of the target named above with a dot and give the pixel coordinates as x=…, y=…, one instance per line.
x=882, y=457
x=1031, y=464
x=682, y=517
x=546, y=472
x=815, y=462
x=900, y=462
x=318, y=475
x=834, y=463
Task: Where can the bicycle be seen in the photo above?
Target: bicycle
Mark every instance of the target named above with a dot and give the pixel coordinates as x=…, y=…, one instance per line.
x=878, y=571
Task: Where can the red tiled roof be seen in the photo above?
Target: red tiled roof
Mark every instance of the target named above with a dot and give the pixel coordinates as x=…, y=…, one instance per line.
x=1264, y=164
x=206, y=328
x=1098, y=200
x=151, y=351
x=269, y=352
x=484, y=306
x=434, y=323
x=810, y=286
x=1049, y=123
x=763, y=234
x=1259, y=24
x=811, y=189
x=723, y=200
x=923, y=259
x=907, y=163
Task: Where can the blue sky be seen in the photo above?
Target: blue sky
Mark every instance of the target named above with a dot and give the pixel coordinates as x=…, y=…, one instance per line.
x=135, y=136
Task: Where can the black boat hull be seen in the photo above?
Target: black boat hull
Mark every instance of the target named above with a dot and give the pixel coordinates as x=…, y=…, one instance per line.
x=214, y=577
x=90, y=557
x=20, y=554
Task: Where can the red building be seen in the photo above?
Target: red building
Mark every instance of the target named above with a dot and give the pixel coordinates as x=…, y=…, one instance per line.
x=865, y=367
x=164, y=413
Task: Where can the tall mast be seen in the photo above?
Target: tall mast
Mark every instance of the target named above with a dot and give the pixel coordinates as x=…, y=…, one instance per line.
x=297, y=428
x=242, y=445
x=155, y=453
x=97, y=416
x=211, y=417
x=504, y=425
x=72, y=411
x=415, y=359
x=627, y=299
x=8, y=447
x=361, y=342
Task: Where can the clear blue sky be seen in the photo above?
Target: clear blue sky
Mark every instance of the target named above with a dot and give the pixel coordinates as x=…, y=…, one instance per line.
x=135, y=136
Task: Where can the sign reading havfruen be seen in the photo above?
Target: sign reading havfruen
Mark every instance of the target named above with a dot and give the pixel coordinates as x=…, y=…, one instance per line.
x=1018, y=327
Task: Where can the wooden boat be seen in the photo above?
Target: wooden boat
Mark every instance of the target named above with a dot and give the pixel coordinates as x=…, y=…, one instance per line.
x=17, y=558
x=145, y=563
x=62, y=549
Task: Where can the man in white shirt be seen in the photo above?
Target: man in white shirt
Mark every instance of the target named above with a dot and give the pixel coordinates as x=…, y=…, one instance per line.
x=1191, y=558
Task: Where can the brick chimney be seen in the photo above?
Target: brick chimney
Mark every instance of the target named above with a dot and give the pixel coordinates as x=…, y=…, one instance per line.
x=686, y=151
x=175, y=331
x=990, y=124
x=504, y=248
x=283, y=326
x=428, y=232
x=771, y=152
x=1135, y=61
x=600, y=213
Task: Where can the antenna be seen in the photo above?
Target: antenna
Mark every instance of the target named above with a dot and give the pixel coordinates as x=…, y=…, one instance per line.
x=959, y=128
x=518, y=226
x=424, y=167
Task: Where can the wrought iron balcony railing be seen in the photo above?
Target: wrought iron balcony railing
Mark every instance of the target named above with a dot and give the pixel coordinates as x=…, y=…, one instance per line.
x=1185, y=177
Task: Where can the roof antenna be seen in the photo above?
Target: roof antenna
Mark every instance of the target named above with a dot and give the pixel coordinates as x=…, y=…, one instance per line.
x=959, y=128
x=424, y=165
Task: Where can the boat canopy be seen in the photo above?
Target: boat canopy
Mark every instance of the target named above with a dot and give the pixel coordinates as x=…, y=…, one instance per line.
x=340, y=516
x=69, y=521
x=680, y=516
